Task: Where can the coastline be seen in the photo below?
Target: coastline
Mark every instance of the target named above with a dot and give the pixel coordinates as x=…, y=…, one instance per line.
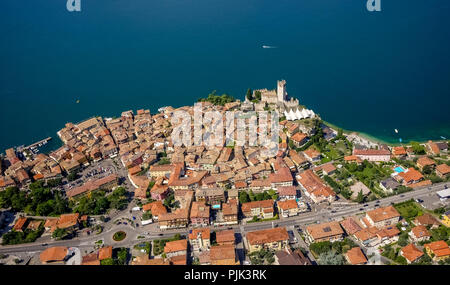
x=369, y=137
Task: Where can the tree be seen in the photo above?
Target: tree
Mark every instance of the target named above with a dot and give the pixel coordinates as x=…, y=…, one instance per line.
x=249, y=94
x=60, y=234
x=418, y=148
x=72, y=176
x=258, y=95
x=243, y=197
x=122, y=256
x=360, y=198
x=331, y=258
x=427, y=169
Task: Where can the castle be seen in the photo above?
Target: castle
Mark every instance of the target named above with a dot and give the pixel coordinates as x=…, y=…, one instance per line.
x=277, y=97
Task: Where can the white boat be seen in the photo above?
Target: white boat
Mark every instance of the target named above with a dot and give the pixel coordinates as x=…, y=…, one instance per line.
x=396, y=131
x=268, y=47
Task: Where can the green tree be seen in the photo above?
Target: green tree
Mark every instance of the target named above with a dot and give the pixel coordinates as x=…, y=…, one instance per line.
x=249, y=94
x=243, y=197
x=361, y=197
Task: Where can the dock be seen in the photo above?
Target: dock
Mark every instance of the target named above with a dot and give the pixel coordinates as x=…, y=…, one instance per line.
x=36, y=144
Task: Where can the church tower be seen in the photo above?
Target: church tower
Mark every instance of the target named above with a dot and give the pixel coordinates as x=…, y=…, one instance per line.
x=281, y=90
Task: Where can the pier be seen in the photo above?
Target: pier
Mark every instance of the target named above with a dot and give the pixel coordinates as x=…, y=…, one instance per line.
x=41, y=143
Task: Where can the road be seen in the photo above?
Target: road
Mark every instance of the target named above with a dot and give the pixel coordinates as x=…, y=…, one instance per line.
x=303, y=219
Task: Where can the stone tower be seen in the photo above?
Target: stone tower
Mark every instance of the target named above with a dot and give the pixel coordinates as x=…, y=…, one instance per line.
x=281, y=90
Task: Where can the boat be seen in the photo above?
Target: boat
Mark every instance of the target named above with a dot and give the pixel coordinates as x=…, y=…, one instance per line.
x=444, y=138
x=396, y=131
x=78, y=101
x=268, y=47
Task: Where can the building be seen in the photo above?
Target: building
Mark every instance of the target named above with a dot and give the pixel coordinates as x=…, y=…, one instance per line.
x=446, y=218
x=163, y=170
x=399, y=152
x=312, y=155
x=155, y=208
x=289, y=257
x=355, y=256
x=199, y=214
x=382, y=217
x=410, y=176
x=177, y=219
x=315, y=188
x=223, y=255
x=388, y=235
x=260, y=209
x=389, y=184
x=20, y=224
x=282, y=177
x=159, y=192
x=419, y=233
x=438, y=250
x=226, y=237
x=200, y=239
x=212, y=196
x=229, y=213
x=350, y=226
x=96, y=257
x=299, y=139
x=425, y=161
x=367, y=236
x=411, y=253
x=145, y=260
x=330, y=231
x=54, y=255
x=325, y=169
x=273, y=239
x=175, y=248
x=432, y=148
x=287, y=192
x=443, y=171
x=426, y=220
x=373, y=154
x=288, y=208
x=106, y=183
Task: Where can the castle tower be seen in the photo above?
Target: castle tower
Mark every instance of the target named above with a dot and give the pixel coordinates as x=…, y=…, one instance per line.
x=281, y=90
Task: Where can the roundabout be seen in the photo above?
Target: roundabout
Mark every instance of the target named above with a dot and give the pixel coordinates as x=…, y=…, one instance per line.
x=119, y=236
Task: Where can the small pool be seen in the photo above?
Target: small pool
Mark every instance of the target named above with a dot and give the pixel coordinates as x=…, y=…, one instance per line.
x=399, y=169
x=216, y=206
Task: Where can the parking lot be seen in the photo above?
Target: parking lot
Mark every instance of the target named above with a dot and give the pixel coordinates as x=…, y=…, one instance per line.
x=92, y=172
x=432, y=201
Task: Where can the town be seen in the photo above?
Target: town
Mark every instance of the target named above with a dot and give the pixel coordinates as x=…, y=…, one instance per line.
x=119, y=192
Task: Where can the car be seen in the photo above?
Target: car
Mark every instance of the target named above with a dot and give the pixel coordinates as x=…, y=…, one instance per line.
x=445, y=186
x=402, y=195
x=160, y=234
x=230, y=228
x=361, y=209
x=44, y=244
x=134, y=218
x=365, y=205
x=125, y=223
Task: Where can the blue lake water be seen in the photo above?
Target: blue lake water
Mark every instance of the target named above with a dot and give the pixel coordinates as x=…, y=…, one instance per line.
x=369, y=72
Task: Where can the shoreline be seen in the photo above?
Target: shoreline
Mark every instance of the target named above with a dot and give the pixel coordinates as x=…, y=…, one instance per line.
x=371, y=138
x=364, y=136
